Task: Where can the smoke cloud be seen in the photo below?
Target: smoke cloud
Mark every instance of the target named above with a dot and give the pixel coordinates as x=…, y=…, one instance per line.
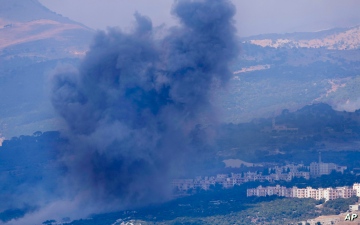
x=134, y=105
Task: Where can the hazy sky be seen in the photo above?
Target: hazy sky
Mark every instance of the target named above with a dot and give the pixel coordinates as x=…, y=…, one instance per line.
x=253, y=16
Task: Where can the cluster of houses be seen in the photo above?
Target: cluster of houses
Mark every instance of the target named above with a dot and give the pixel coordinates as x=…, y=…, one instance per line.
x=277, y=173
x=229, y=181
x=319, y=168
x=309, y=192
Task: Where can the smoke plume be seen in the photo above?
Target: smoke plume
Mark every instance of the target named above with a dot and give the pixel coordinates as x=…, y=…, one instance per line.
x=135, y=103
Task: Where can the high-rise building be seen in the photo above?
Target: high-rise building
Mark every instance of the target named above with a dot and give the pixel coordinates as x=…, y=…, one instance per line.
x=320, y=168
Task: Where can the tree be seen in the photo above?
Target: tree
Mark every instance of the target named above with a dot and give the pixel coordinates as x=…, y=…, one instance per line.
x=37, y=133
x=49, y=222
x=265, y=171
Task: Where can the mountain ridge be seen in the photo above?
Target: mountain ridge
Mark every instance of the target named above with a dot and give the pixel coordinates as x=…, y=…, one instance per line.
x=332, y=39
x=33, y=41
x=18, y=11
x=266, y=79
x=28, y=21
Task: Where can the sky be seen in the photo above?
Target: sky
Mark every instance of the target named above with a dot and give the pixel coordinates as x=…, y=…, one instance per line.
x=253, y=16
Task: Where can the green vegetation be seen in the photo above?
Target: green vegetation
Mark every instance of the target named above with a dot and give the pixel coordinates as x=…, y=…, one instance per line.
x=338, y=205
x=280, y=211
x=319, y=128
x=220, y=206
x=332, y=180
x=10, y=214
x=296, y=77
x=230, y=206
x=276, y=211
x=27, y=163
x=348, y=90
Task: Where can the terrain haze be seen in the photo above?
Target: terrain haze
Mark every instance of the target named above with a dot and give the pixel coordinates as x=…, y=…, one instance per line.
x=252, y=17
x=104, y=103
x=33, y=44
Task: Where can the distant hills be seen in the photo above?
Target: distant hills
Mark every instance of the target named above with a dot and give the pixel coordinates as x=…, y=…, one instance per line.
x=28, y=10
x=273, y=71
x=33, y=41
x=277, y=71
x=335, y=39
x=28, y=29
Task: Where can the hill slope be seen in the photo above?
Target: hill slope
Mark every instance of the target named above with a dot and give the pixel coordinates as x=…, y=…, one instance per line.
x=27, y=10
x=339, y=39
x=273, y=72
x=33, y=40
x=279, y=71
x=28, y=22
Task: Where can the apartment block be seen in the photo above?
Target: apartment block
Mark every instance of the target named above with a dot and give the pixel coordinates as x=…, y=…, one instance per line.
x=308, y=192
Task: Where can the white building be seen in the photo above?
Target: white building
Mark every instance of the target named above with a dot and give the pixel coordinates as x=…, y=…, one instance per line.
x=308, y=192
x=268, y=191
x=356, y=187
x=353, y=208
x=320, y=168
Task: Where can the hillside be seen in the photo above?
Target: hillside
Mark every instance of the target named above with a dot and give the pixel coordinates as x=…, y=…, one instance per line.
x=22, y=40
x=33, y=41
x=273, y=71
x=295, y=137
x=223, y=207
x=271, y=77
x=334, y=39
x=28, y=29
x=35, y=170
x=19, y=11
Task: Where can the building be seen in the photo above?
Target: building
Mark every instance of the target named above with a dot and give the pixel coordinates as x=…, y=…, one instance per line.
x=183, y=184
x=320, y=168
x=285, y=173
x=356, y=187
x=330, y=194
x=308, y=192
x=268, y=191
x=353, y=208
x=282, y=128
x=345, y=192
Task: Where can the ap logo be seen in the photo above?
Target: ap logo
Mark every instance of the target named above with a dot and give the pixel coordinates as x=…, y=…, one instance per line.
x=351, y=217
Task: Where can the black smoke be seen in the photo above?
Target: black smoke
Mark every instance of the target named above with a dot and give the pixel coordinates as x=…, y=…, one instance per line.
x=134, y=105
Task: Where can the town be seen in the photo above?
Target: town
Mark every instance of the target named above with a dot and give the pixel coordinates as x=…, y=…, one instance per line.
x=271, y=174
